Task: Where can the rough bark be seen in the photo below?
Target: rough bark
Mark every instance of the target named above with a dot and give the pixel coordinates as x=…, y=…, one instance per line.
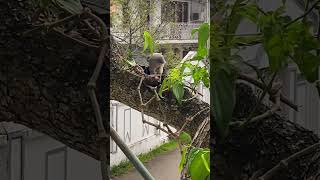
x=262, y=145
x=43, y=86
x=124, y=89
x=43, y=81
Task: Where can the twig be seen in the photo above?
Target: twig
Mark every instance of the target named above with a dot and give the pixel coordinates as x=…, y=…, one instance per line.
x=284, y=163
x=270, y=112
x=158, y=126
x=54, y=24
x=304, y=15
x=102, y=134
x=240, y=35
x=93, y=30
x=256, y=174
x=156, y=94
x=191, y=119
x=138, y=89
x=176, y=136
x=104, y=28
x=258, y=72
x=75, y=39
x=193, y=89
x=266, y=89
x=262, y=86
x=189, y=99
x=318, y=33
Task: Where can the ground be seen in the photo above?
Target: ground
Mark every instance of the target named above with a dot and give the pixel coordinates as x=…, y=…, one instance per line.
x=162, y=167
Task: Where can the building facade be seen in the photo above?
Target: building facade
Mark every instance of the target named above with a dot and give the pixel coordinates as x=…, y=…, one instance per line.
x=29, y=155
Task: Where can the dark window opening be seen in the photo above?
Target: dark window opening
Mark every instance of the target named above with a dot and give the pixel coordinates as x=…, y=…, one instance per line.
x=175, y=11
x=184, y=53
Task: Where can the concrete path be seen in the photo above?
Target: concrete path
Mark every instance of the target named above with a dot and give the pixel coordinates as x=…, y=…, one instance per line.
x=163, y=167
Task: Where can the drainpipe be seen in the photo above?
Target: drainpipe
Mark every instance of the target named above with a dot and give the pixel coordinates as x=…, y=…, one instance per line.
x=132, y=157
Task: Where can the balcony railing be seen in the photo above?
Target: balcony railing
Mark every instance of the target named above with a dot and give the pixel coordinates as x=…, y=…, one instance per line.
x=179, y=31
x=172, y=31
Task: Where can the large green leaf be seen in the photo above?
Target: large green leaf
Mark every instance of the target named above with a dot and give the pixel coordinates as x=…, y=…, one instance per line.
x=164, y=85
x=178, y=91
x=198, y=162
x=277, y=50
x=148, y=42
x=223, y=97
x=72, y=6
x=201, y=53
x=203, y=35
x=275, y=39
x=304, y=46
x=250, y=11
x=308, y=65
x=234, y=20
x=200, y=73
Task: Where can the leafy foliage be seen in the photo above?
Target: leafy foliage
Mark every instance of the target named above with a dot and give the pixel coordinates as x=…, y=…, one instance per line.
x=148, y=42
x=198, y=162
x=190, y=68
x=223, y=97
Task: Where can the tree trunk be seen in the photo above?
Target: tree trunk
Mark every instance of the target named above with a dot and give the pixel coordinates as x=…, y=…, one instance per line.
x=43, y=82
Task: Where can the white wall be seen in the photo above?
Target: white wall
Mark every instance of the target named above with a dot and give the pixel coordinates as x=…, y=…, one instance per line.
x=29, y=155
x=141, y=138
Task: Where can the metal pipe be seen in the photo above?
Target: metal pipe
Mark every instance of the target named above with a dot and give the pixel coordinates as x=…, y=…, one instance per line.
x=132, y=157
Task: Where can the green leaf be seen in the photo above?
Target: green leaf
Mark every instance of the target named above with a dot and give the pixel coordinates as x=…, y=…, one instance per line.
x=275, y=39
x=206, y=160
x=277, y=51
x=304, y=46
x=163, y=86
x=203, y=35
x=250, y=11
x=234, y=19
x=148, y=42
x=72, y=6
x=178, y=91
x=194, y=31
x=200, y=73
x=308, y=65
x=198, y=168
x=201, y=53
x=223, y=97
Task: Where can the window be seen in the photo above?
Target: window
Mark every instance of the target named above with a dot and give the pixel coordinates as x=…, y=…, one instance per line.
x=175, y=11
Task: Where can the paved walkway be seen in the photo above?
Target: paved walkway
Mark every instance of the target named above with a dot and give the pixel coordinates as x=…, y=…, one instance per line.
x=163, y=167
